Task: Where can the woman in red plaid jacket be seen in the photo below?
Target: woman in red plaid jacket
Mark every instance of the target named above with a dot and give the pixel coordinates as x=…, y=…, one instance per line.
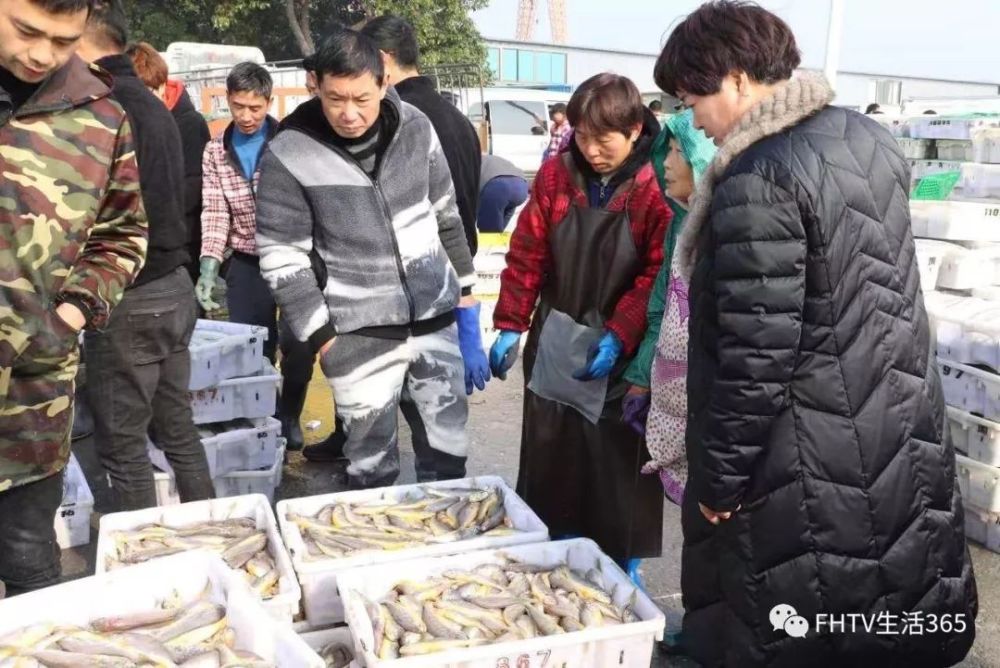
x=579, y=274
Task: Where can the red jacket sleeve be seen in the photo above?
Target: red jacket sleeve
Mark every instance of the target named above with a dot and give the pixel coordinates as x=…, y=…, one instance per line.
x=650, y=217
x=528, y=259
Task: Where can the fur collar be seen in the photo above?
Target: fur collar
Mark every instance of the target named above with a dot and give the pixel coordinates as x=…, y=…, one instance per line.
x=792, y=102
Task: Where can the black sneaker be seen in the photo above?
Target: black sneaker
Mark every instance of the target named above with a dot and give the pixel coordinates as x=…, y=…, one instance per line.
x=327, y=451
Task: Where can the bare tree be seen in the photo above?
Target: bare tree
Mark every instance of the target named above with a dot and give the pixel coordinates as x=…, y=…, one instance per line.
x=298, y=18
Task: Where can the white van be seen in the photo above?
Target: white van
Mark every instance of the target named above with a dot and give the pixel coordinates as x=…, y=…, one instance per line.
x=517, y=121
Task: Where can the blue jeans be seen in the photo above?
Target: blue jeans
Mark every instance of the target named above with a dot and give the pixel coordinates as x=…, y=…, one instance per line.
x=498, y=200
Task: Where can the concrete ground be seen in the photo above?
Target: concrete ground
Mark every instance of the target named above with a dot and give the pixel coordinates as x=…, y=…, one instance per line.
x=495, y=429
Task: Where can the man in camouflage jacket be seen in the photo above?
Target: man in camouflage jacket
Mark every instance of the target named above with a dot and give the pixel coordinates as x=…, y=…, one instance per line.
x=72, y=237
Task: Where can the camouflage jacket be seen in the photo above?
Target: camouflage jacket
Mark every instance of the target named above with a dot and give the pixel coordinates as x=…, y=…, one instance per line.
x=72, y=229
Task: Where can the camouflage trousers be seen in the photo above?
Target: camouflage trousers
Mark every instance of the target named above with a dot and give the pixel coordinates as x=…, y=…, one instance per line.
x=369, y=376
x=36, y=404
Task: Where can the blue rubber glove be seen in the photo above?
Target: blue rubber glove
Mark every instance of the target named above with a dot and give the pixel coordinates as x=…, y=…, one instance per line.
x=503, y=354
x=470, y=341
x=601, y=358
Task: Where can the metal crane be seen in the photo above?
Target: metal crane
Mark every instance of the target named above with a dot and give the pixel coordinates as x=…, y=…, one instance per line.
x=526, y=11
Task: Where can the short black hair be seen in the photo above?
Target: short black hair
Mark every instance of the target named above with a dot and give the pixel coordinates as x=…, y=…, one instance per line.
x=396, y=37
x=872, y=108
x=557, y=108
x=249, y=78
x=64, y=6
x=108, y=25
x=347, y=53
x=721, y=37
x=656, y=105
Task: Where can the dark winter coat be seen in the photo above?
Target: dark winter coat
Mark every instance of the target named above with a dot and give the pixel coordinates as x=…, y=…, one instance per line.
x=816, y=411
x=194, y=136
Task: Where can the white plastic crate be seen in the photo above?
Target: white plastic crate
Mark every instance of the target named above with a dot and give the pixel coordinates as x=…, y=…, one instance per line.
x=986, y=145
x=966, y=329
x=959, y=428
x=956, y=220
x=488, y=306
x=237, y=483
x=980, y=180
x=916, y=149
x=233, y=446
x=970, y=389
x=982, y=437
x=223, y=350
x=982, y=527
x=980, y=483
x=72, y=521
x=626, y=645
x=320, y=602
x=144, y=586
x=953, y=149
x=252, y=397
x=487, y=283
x=317, y=640
x=283, y=606
x=944, y=127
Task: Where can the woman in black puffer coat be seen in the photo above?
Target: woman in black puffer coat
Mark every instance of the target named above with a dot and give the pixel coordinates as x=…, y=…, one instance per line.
x=821, y=472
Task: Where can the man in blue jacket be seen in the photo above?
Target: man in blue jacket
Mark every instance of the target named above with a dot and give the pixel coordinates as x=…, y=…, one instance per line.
x=362, y=244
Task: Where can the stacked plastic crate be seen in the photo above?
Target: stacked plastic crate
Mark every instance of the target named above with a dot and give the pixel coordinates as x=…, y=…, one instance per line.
x=490, y=261
x=956, y=219
x=233, y=398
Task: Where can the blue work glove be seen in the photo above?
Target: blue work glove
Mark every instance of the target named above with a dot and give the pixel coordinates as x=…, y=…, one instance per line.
x=503, y=354
x=470, y=342
x=601, y=358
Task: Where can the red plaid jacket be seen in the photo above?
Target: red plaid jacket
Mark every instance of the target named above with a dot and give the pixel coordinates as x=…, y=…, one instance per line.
x=530, y=257
x=229, y=201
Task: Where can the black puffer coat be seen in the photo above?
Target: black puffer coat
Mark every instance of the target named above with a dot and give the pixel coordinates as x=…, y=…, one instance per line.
x=815, y=403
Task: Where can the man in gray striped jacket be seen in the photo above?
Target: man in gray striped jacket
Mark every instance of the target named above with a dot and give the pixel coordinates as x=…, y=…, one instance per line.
x=362, y=244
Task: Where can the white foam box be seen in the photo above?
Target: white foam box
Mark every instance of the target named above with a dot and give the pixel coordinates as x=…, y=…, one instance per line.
x=921, y=168
x=72, y=521
x=626, y=645
x=916, y=149
x=980, y=483
x=954, y=149
x=944, y=127
x=970, y=389
x=956, y=220
x=930, y=256
x=236, y=483
x=282, y=607
x=986, y=145
x=965, y=269
x=251, y=397
x=981, y=436
x=318, y=577
x=966, y=329
x=982, y=527
x=317, y=640
x=239, y=445
x=488, y=306
x=145, y=586
x=980, y=180
x=223, y=350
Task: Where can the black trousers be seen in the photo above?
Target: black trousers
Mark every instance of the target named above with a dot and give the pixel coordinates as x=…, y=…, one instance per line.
x=138, y=373
x=29, y=555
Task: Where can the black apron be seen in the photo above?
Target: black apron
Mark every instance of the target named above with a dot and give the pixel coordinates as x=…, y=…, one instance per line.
x=580, y=463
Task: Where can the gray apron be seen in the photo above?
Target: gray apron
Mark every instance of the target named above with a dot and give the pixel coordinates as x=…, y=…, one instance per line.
x=580, y=464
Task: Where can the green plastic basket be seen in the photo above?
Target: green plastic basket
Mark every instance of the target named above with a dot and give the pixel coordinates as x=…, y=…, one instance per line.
x=936, y=186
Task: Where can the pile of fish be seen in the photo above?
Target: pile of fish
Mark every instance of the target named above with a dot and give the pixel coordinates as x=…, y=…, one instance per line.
x=238, y=541
x=439, y=516
x=195, y=635
x=492, y=603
